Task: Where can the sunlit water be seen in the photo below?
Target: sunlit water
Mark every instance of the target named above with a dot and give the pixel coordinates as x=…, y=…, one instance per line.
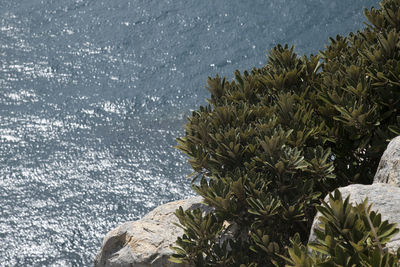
x=94, y=93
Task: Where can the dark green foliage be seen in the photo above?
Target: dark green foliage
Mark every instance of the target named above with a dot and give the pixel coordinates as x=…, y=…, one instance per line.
x=260, y=154
x=205, y=233
x=348, y=236
x=201, y=234
x=360, y=90
x=272, y=141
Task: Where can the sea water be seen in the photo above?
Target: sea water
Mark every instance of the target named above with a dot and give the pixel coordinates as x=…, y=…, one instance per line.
x=94, y=93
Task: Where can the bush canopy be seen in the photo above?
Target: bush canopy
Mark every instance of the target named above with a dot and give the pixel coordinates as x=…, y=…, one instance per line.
x=273, y=140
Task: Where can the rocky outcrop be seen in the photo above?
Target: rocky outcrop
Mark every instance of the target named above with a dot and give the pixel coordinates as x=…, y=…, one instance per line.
x=384, y=198
x=146, y=242
x=389, y=166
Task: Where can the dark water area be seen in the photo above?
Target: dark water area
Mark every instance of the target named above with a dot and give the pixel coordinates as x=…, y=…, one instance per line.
x=94, y=93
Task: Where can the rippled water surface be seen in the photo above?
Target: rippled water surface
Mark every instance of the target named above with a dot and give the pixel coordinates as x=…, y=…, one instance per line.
x=93, y=94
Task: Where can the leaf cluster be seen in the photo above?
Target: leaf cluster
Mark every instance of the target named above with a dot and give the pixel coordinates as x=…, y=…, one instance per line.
x=360, y=92
x=347, y=236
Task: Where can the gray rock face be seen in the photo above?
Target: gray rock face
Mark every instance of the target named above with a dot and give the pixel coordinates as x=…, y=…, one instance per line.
x=389, y=166
x=146, y=242
x=384, y=198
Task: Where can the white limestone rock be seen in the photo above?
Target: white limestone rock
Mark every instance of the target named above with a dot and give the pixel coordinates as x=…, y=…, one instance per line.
x=384, y=198
x=146, y=242
x=389, y=166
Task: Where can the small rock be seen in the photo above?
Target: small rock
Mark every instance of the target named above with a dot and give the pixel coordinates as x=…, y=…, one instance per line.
x=384, y=198
x=389, y=166
x=146, y=242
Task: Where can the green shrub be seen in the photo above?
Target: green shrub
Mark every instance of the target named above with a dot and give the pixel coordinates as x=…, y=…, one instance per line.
x=260, y=153
x=347, y=236
x=360, y=93
x=270, y=142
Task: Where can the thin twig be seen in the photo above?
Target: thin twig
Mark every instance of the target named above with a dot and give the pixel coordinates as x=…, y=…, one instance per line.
x=374, y=232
